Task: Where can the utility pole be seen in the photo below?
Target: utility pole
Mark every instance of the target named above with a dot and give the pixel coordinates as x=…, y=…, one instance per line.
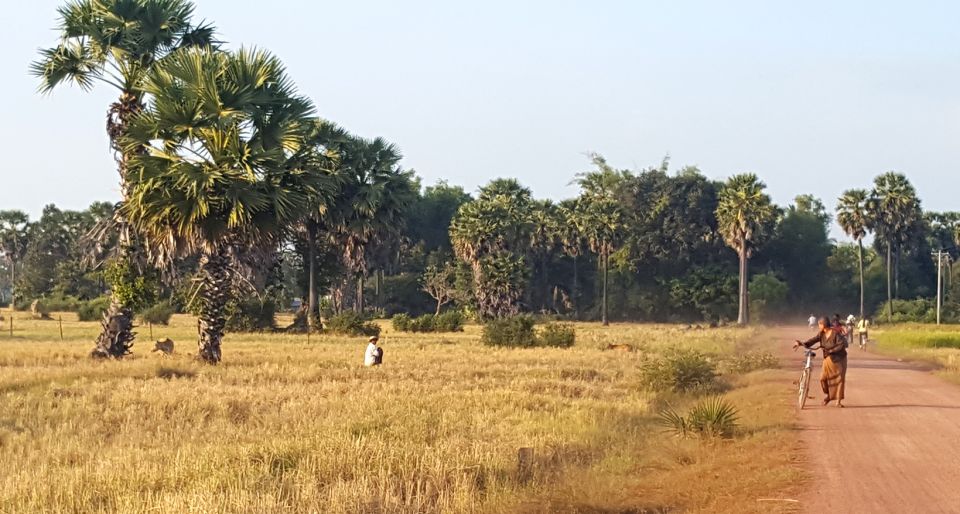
x=939, y=283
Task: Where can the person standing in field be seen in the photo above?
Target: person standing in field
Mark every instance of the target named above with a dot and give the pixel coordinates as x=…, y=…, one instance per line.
x=812, y=321
x=833, y=378
x=374, y=354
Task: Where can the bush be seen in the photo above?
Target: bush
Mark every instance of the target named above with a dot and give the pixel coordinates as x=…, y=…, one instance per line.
x=61, y=304
x=251, y=315
x=158, y=314
x=560, y=335
x=713, y=417
x=401, y=322
x=516, y=331
x=352, y=324
x=680, y=371
x=93, y=310
x=921, y=310
x=446, y=322
x=752, y=361
x=450, y=321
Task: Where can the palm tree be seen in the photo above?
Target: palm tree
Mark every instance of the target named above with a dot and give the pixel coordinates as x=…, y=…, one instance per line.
x=217, y=176
x=893, y=210
x=372, y=204
x=13, y=244
x=744, y=213
x=854, y=219
x=118, y=42
x=571, y=242
x=600, y=216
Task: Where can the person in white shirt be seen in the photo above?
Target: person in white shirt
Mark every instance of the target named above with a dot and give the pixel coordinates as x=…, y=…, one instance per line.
x=812, y=321
x=374, y=354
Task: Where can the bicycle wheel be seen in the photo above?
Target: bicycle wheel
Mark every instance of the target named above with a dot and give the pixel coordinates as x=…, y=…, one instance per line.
x=804, y=387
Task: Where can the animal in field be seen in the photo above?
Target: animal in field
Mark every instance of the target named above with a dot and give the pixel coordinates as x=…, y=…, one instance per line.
x=163, y=345
x=620, y=347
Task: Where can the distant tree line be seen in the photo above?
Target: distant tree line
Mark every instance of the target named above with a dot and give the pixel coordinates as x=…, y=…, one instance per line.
x=238, y=197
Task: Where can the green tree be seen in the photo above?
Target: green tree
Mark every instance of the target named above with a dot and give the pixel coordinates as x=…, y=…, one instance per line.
x=854, y=219
x=217, y=178
x=492, y=235
x=744, y=214
x=893, y=212
x=601, y=217
x=118, y=43
x=13, y=243
x=798, y=250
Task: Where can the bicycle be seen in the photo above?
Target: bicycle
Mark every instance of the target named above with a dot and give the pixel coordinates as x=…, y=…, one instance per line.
x=804, y=383
x=863, y=341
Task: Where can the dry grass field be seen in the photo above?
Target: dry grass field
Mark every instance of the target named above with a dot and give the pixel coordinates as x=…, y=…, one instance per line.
x=283, y=425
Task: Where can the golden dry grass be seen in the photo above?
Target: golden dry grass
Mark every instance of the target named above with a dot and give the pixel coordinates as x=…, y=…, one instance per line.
x=286, y=426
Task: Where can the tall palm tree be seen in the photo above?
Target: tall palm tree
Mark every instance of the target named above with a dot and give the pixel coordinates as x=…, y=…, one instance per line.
x=601, y=217
x=854, y=219
x=13, y=244
x=744, y=213
x=572, y=244
x=217, y=176
x=894, y=211
x=372, y=203
x=118, y=42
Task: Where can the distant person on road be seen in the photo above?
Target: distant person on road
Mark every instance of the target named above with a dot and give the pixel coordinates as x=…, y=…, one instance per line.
x=862, y=329
x=374, y=354
x=812, y=321
x=833, y=378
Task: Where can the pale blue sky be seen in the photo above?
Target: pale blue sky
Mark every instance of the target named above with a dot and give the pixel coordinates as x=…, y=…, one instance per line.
x=815, y=97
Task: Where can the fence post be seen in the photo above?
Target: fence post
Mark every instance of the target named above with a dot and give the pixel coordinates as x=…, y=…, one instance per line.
x=60, y=320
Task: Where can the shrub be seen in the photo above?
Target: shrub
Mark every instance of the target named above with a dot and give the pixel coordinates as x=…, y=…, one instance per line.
x=61, y=304
x=680, y=371
x=158, y=314
x=713, y=417
x=451, y=321
x=401, y=322
x=560, y=335
x=352, y=324
x=752, y=361
x=93, y=310
x=446, y=322
x=516, y=331
x=251, y=315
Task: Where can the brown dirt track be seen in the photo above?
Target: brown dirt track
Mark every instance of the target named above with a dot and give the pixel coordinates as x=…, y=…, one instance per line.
x=894, y=448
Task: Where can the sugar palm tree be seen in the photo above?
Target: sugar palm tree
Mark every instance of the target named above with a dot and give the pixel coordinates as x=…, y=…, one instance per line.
x=217, y=177
x=854, y=219
x=893, y=210
x=744, y=212
x=13, y=244
x=601, y=218
x=117, y=43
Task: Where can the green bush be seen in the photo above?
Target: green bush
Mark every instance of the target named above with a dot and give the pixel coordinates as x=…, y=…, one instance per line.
x=251, y=315
x=680, y=371
x=560, y=335
x=713, y=417
x=450, y=321
x=752, y=361
x=401, y=322
x=352, y=324
x=516, y=331
x=93, y=310
x=61, y=304
x=158, y=314
x=446, y=322
x=920, y=310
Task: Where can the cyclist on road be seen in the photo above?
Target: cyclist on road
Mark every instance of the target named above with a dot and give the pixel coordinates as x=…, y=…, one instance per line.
x=833, y=378
x=862, y=329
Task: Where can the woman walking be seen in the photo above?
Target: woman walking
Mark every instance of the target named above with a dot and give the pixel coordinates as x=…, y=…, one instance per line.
x=834, y=376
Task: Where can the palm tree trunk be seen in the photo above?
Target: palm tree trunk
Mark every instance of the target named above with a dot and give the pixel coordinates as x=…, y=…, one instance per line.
x=116, y=335
x=743, y=314
x=889, y=287
x=214, y=295
x=860, y=258
x=358, y=303
x=13, y=283
x=896, y=273
x=603, y=304
x=312, y=313
x=575, y=291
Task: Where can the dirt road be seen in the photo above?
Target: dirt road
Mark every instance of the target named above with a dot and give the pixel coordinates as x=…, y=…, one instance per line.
x=894, y=448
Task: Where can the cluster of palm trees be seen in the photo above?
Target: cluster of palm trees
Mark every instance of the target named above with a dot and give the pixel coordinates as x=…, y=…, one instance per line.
x=219, y=156
x=892, y=211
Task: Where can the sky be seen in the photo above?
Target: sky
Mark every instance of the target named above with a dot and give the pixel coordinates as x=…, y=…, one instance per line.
x=815, y=97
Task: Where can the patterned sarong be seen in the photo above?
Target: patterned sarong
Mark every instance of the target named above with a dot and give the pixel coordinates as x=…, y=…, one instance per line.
x=834, y=376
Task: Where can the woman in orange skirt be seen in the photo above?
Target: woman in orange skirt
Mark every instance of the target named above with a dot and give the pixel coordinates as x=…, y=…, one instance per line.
x=833, y=378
